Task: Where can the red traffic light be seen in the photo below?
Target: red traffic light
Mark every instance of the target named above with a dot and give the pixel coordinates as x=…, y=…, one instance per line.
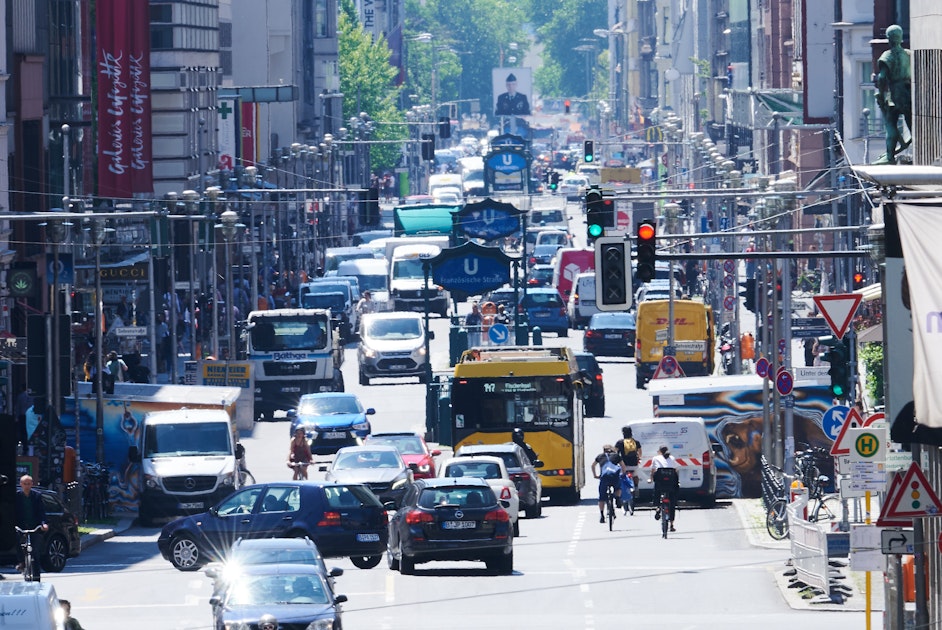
x=645, y=231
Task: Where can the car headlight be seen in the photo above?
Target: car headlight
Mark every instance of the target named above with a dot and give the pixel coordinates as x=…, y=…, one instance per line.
x=368, y=352
x=361, y=426
x=321, y=624
x=420, y=351
x=228, y=479
x=424, y=468
x=151, y=481
x=398, y=483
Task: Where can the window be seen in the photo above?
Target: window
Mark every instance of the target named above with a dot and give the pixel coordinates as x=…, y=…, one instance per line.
x=240, y=503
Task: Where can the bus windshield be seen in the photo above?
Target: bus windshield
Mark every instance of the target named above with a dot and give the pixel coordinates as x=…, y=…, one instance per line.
x=534, y=401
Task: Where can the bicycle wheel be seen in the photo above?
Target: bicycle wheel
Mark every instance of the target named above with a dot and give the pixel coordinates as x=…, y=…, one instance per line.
x=246, y=478
x=610, y=506
x=826, y=509
x=665, y=519
x=776, y=519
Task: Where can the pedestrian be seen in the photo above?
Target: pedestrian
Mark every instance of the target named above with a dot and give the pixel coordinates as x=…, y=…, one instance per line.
x=30, y=514
x=473, y=322
x=117, y=367
x=71, y=623
x=164, y=350
x=366, y=304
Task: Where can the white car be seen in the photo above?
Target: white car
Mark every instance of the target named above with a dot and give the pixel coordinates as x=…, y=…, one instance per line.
x=492, y=470
x=573, y=186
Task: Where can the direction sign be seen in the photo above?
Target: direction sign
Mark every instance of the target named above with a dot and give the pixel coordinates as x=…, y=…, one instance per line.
x=762, y=367
x=498, y=333
x=897, y=541
x=833, y=419
x=729, y=302
x=784, y=382
x=838, y=310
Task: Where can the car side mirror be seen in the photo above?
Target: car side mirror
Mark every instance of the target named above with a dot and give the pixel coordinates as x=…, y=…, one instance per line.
x=370, y=411
x=431, y=334
x=214, y=511
x=340, y=599
x=436, y=453
x=718, y=449
x=214, y=601
x=134, y=455
x=239, y=450
x=335, y=572
x=292, y=413
x=538, y=463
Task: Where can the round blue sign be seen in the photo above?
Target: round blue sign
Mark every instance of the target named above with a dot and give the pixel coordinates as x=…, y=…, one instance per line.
x=498, y=333
x=762, y=367
x=784, y=383
x=669, y=364
x=833, y=419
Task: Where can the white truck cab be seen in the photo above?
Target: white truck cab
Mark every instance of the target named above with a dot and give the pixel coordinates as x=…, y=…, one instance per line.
x=30, y=606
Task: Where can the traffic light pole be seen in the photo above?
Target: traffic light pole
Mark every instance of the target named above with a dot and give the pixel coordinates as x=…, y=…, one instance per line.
x=789, y=419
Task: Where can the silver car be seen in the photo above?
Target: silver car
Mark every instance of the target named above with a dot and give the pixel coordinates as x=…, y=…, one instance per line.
x=392, y=344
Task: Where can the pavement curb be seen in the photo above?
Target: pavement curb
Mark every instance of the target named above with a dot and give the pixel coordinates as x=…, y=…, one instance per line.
x=93, y=538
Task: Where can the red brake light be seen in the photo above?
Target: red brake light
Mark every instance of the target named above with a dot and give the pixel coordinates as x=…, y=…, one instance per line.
x=417, y=517
x=706, y=459
x=598, y=377
x=500, y=516
x=562, y=310
x=590, y=333
x=532, y=261
x=331, y=519
x=521, y=476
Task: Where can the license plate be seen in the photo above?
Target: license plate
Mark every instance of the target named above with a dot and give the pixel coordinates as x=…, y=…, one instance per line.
x=191, y=506
x=459, y=525
x=397, y=366
x=367, y=537
x=613, y=336
x=542, y=314
x=335, y=435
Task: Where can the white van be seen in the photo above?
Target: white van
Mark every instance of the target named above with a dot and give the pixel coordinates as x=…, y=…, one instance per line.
x=30, y=606
x=689, y=444
x=373, y=276
x=582, y=305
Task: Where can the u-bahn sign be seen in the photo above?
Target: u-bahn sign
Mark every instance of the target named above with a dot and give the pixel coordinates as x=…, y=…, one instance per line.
x=488, y=219
x=471, y=269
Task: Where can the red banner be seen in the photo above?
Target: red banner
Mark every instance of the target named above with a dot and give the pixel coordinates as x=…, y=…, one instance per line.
x=248, y=134
x=124, y=110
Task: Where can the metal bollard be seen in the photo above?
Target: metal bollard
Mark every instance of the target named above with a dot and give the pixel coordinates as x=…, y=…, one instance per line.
x=537, y=336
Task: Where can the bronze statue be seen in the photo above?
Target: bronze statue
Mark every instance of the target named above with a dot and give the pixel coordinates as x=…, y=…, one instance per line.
x=894, y=93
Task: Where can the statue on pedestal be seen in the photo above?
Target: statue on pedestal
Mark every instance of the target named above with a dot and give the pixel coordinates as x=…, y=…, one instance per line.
x=894, y=95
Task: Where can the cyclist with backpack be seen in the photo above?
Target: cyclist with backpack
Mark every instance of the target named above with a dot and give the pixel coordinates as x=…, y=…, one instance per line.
x=607, y=468
x=666, y=481
x=630, y=452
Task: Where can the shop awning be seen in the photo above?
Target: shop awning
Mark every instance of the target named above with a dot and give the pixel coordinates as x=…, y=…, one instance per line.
x=874, y=334
x=419, y=220
x=871, y=292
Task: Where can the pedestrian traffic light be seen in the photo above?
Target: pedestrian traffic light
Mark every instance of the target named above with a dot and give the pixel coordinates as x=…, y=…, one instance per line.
x=428, y=146
x=612, y=273
x=599, y=213
x=566, y=104
x=748, y=294
x=444, y=127
x=838, y=356
x=588, y=151
x=647, y=250
x=859, y=280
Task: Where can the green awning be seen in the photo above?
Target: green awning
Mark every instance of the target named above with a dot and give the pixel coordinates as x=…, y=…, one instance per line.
x=423, y=220
x=787, y=103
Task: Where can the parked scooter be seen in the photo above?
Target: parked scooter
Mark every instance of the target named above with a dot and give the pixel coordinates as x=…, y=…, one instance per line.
x=727, y=348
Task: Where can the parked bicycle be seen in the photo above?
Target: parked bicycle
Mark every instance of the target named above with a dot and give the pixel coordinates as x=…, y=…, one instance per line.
x=30, y=563
x=95, y=501
x=821, y=507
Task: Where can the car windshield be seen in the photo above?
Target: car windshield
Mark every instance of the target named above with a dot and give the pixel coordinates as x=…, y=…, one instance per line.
x=457, y=496
x=187, y=438
x=334, y=301
x=479, y=469
x=354, y=460
x=393, y=328
x=542, y=299
x=408, y=268
x=405, y=444
x=327, y=405
x=373, y=282
x=274, y=334
x=261, y=590
x=339, y=497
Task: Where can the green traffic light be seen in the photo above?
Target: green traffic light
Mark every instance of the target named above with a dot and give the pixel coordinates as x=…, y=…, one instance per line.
x=595, y=230
x=838, y=391
x=589, y=158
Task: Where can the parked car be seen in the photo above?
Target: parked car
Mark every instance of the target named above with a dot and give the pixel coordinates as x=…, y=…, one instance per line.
x=296, y=595
x=521, y=470
x=450, y=519
x=60, y=543
x=392, y=344
x=380, y=468
x=251, y=552
x=342, y=520
x=413, y=450
x=544, y=308
x=610, y=335
x=492, y=470
x=331, y=420
x=594, y=388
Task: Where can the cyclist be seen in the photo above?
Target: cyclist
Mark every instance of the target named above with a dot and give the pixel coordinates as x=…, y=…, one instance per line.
x=519, y=440
x=607, y=468
x=666, y=482
x=299, y=454
x=30, y=513
x=630, y=451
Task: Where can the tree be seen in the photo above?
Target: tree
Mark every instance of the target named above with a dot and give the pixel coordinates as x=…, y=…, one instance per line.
x=560, y=32
x=367, y=82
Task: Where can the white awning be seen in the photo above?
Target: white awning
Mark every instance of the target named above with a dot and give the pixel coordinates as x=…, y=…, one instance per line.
x=871, y=292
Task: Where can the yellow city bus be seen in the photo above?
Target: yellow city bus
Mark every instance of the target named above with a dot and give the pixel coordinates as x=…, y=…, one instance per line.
x=537, y=389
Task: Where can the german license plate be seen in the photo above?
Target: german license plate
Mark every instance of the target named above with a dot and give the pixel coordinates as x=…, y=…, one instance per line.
x=335, y=435
x=367, y=537
x=192, y=506
x=542, y=314
x=613, y=336
x=459, y=525
x=397, y=366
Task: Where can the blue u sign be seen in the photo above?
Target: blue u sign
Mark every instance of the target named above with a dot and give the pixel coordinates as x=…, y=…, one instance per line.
x=471, y=269
x=507, y=162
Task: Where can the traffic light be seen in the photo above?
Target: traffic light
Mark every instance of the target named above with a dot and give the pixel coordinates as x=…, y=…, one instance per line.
x=748, y=294
x=588, y=151
x=860, y=279
x=838, y=356
x=612, y=273
x=566, y=104
x=647, y=250
x=554, y=180
x=599, y=213
x=428, y=146
x=444, y=127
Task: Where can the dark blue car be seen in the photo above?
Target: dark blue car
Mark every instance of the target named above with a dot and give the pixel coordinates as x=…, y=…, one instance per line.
x=545, y=308
x=331, y=421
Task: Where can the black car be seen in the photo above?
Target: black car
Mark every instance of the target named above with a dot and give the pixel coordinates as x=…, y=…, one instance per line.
x=297, y=596
x=610, y=335
x=540, y=276
x=455, y=518
x=61, y=542
x=341, y=519
x=594, y=388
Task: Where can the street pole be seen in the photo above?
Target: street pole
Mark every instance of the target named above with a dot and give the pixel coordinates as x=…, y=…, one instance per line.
x=430, y=405
x=97, y=233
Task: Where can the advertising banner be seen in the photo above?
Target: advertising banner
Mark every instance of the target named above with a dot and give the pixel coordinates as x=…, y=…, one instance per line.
x=124, y=110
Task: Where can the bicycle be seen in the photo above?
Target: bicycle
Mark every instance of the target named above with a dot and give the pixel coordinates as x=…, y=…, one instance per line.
x=610, y=506
x=300, y=470
x=95, y=480
x=30, y=564
x=663, y=513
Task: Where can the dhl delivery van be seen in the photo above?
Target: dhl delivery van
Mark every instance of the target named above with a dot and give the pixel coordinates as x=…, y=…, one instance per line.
x=693, y=338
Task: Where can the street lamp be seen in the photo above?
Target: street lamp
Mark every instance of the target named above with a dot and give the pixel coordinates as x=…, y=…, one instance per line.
x=97, y=231
x=191, y=203
x=229, y=227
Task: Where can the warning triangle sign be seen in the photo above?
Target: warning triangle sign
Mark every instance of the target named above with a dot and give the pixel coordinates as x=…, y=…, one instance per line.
x=891, y=493
x=668, y=367
x=838, y=310
x=914, y=497
x=852, y=421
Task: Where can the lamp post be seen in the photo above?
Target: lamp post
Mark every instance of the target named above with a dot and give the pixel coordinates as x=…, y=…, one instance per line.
x=191, y=203
x=213, y=193
x=97, y=232
x=429, y=397
x=56, y=233
x=229, y=227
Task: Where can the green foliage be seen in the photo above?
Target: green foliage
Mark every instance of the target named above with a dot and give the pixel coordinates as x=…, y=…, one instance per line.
x=872, y=356
x=571, y=22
